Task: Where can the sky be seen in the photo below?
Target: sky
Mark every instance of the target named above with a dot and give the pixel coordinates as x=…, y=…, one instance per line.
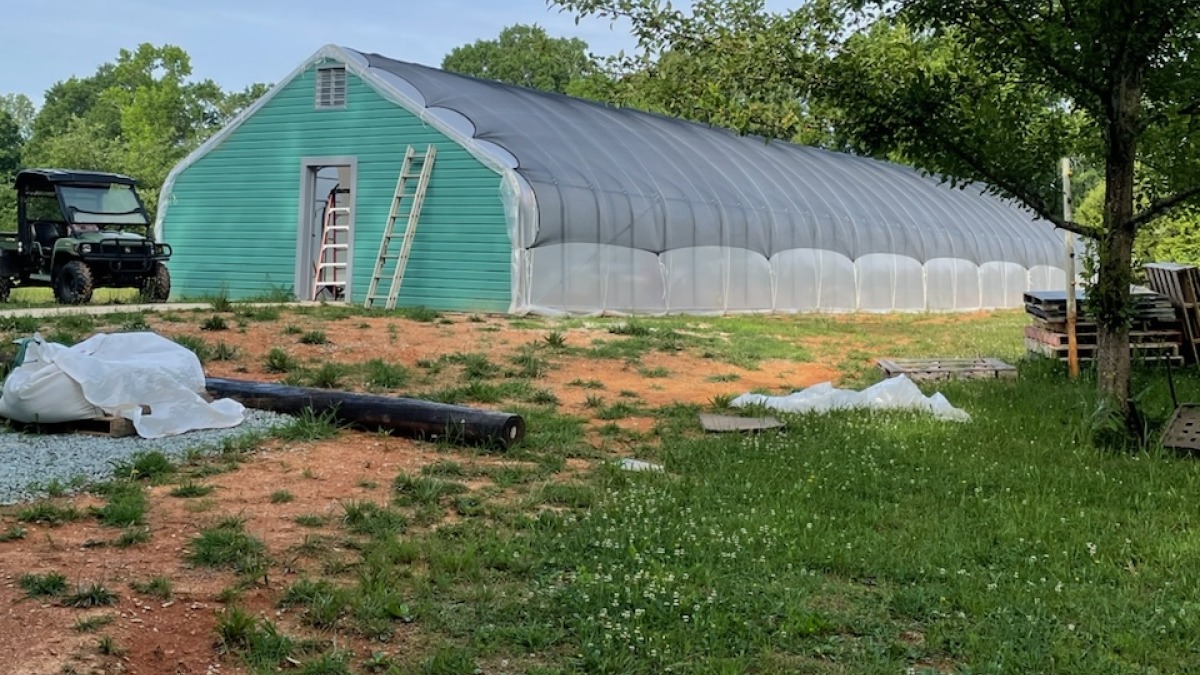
x=239, y=42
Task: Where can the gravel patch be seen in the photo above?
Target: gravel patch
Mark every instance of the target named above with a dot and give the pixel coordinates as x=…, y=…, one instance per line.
x=30, y=461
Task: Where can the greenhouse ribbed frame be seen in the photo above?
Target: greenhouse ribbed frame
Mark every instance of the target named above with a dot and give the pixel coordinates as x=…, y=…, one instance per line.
x=612, y=210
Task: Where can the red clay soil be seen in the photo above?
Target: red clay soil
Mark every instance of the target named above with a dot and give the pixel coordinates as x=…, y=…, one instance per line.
x=154, y=636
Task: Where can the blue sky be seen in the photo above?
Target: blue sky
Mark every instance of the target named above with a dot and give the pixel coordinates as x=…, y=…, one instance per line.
x=238, y=42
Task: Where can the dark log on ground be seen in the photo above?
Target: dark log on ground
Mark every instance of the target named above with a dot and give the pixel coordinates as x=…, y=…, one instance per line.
x=407, y=416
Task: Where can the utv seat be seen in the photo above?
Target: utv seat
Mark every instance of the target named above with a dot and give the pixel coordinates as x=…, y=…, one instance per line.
x=46, y=234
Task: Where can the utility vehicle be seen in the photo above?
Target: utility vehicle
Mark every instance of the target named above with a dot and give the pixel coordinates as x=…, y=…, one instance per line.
x=78, y=231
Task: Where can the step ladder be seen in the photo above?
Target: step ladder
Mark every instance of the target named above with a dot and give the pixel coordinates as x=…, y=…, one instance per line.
x=406, y=203
x=329, y=272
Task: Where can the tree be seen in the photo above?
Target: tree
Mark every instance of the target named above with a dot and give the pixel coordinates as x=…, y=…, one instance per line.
x=139, y=115
x=991, y=90
x=525, y=56
x=10, y=161
x=22, y=111
x=728, y=64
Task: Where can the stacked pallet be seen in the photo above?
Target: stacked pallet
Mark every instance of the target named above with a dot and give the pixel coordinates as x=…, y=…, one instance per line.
x=1155, y=334
x=1180, y=283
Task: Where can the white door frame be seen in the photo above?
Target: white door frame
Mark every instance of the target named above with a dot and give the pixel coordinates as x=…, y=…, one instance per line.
x=308, y=232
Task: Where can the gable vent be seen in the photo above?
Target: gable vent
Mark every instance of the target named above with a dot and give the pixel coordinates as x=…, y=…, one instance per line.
x=331, y=87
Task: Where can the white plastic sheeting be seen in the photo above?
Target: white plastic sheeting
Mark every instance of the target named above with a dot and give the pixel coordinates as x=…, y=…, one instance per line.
x=115, y=375
x=894, y=393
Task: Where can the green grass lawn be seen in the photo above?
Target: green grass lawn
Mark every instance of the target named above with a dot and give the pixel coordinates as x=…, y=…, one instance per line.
x=851, y=542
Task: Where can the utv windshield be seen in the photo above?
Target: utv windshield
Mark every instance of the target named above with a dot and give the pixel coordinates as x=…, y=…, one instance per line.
x=108, y=205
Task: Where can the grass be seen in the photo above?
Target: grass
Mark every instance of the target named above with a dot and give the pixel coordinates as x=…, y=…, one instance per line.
x=847, y=542
x=43, y=585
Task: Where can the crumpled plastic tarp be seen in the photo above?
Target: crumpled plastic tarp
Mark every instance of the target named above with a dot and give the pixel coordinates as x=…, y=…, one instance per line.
x=115, y=374
x=894, y=393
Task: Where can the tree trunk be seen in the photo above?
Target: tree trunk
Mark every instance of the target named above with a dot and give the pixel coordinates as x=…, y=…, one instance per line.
x=1111, y=301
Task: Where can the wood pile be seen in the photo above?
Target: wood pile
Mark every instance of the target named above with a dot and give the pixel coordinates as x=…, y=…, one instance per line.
x=1180, y=283
x=1155, y=334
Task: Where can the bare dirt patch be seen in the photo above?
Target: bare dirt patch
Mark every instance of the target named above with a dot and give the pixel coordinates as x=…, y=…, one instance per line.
x=176, y=635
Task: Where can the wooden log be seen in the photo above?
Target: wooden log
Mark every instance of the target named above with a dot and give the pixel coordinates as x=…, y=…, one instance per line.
x=407, y=416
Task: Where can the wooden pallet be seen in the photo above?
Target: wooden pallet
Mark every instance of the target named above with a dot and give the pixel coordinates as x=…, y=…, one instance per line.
x=1144, y=351
x=1090, y=337
x=945, y=369
x=1181, y=284
x=112, y=427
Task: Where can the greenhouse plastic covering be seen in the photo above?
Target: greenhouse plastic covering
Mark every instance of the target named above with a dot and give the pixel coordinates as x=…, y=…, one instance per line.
x=612, y=210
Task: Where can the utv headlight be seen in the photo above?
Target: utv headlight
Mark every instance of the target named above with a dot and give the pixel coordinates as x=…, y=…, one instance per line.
x=85, y=248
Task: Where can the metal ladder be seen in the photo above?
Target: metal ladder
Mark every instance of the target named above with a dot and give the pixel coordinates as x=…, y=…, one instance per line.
x=325, y=271
x=415, y=199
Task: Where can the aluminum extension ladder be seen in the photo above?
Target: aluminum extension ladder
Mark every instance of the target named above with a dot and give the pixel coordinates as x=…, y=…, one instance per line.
x=329, y=272
x=406, y=204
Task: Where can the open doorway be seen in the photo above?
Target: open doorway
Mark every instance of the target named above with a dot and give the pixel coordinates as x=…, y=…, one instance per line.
x=326, y=235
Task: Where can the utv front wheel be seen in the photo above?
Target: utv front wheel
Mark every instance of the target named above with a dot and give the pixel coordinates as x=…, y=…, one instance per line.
x=156, y=286
x=73, y=285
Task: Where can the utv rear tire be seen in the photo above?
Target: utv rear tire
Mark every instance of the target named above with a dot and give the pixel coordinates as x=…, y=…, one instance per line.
x=156, y=286
x=73, y=284
x=5, y=288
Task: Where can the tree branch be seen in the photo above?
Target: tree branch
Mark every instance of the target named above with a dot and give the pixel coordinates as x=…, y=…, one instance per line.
x=1158, y=207
x=1034, y=202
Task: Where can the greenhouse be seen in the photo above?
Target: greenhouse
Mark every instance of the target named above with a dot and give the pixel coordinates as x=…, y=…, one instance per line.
x=543, y=203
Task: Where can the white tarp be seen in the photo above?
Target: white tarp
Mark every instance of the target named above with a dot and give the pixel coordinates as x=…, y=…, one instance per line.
x=115, y=374
x=895, y=393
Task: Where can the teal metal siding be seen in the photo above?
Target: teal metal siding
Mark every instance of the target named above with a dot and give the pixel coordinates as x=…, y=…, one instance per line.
x=233, y=215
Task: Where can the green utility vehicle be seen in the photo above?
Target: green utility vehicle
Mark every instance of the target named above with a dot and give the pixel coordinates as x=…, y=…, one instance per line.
x=78, y=231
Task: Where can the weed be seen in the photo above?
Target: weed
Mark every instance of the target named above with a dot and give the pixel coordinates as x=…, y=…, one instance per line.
x=369, y=518
x=724, y=377
x=657, y=372
x=107, y=645
x=214, y=323
x=190, y=488
x=13, y=533
x=722, y=401
x=556, y=340
x=586, y=384
x=444, y=467
x=310, y=520
x=314, y=337
x=421, y=314
x=279, y=361
x=48, y=513
x=131, y=536
x=423, y=489
x=336, y=662
x=42, y=585
x=282, y=497
x=257, y=641
x=310, y=426
x=197, y=345
x=565, y=494
x=227, y=544
x=292, y=329
x=126, y=505
x=529, y=364
x=158, y=587
x=475, y=366
x=328, y=376
x=90, y=595
x=543, y=397
x=593, y=402
x=380, y=373
x=449, y=660
x=220, y=302
x=93, y=623
x=150, y=464
x=223, y=351
x=629, y=328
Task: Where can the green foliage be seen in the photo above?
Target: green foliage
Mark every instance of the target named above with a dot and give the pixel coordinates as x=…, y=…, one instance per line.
x=524, y=56
x=43, y=585
x=139, y=114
